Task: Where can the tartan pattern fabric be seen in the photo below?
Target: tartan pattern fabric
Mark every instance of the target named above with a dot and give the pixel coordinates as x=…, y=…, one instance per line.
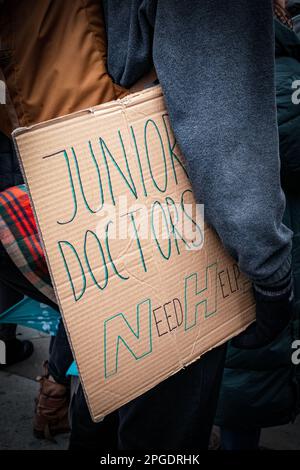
x=19, y=236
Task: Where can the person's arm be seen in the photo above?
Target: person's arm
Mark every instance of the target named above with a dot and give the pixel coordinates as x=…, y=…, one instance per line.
x=215, y=62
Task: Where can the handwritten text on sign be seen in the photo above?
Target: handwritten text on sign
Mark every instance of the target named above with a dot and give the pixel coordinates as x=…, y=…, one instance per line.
x=168, y=238
x=142, y=293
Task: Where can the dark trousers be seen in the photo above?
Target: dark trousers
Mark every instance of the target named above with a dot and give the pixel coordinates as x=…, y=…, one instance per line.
x=8, y=298
x=236, y=439
x=60, y=356
x=177, y=414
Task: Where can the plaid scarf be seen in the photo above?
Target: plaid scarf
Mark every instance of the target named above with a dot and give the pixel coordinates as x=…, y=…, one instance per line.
x=19, y=236
x=283, y=15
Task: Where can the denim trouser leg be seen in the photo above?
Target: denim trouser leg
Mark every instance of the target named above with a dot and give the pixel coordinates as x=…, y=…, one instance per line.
x=87, y=435
x=176, y=414
x=60, y=356
x=179, y=412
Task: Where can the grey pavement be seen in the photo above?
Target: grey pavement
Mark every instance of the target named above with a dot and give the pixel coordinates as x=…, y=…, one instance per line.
x=18, y=389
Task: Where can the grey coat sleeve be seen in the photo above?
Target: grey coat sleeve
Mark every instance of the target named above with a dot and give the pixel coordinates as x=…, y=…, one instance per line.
x=215, y=62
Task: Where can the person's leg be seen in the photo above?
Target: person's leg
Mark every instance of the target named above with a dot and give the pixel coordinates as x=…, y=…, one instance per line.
x=60, y=356
x=87, y=435
x=179, y=412
x=52, y=404
x=237, y=439
x=16, y=350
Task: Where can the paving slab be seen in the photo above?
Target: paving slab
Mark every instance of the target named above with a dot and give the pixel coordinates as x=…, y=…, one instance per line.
x=33, y=366
x=16, y=412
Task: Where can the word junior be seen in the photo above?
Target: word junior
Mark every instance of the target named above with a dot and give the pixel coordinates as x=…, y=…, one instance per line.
x=112, y=173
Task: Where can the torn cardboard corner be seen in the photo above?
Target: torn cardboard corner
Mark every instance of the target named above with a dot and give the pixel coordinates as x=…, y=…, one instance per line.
x=136, y=308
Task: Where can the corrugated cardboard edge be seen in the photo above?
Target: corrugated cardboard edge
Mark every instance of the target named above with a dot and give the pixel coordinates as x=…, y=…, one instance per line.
x=129, y=100
x=126, y=102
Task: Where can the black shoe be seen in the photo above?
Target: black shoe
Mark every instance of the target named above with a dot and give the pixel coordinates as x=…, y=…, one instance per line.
x=17, y=351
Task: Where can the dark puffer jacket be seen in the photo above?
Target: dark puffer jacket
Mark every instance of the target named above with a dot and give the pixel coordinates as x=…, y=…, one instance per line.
x=261, y=388
x=10, y=174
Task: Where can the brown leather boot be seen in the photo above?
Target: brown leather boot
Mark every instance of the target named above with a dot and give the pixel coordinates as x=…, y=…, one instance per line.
x=51, y=411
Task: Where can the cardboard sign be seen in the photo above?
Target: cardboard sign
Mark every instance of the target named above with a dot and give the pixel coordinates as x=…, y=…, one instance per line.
x=140, y=298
